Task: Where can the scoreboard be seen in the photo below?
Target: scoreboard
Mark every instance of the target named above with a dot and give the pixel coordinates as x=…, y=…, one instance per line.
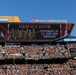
x=33, y=31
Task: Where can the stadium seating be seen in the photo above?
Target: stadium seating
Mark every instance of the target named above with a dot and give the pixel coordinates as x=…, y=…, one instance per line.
x=40, y=52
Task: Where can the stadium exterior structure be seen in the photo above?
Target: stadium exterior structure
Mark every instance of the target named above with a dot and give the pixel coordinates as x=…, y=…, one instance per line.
x=11, y=30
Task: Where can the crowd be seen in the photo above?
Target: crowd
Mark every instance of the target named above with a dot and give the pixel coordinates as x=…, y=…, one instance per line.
x=37, y=51
x=40, y=52
x=39, y=69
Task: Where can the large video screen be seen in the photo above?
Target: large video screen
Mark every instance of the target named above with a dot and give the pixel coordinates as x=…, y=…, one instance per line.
x=34, y=31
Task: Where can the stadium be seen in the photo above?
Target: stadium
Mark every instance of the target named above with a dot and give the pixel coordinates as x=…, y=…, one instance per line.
x=36, y=48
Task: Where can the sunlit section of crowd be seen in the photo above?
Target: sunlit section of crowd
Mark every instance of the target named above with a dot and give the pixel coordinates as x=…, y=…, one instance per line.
x=38, y=52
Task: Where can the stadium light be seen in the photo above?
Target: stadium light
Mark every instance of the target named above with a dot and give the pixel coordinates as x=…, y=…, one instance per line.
x=23, y=53
x=46, y=67
x=63, y=52
x=43, y=51
x=3, y=53
x=5, y=69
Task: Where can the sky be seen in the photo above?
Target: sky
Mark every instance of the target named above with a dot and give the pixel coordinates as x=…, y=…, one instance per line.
x=40, y=9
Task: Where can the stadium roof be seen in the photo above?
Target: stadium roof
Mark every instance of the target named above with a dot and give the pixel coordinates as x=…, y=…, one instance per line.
x=66, y=39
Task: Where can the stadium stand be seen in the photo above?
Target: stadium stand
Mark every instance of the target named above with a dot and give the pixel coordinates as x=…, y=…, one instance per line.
x=37, y=55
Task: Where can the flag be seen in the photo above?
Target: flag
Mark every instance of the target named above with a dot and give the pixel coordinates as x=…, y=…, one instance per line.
x=2, y=34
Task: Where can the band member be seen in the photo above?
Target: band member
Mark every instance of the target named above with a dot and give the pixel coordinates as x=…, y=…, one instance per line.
x=25, y=35
x=20, y=35
x=29, y=34
x=12, y=34
x=17, y=33
x=33, y=33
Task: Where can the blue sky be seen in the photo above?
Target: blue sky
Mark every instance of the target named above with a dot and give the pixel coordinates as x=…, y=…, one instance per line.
x=40, y=9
